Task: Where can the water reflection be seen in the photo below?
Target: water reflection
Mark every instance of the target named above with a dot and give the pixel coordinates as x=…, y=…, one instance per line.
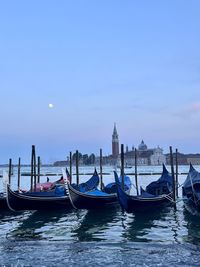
x=144, y=227
x=167, y=225
x=36, y=224
x=95, y=223
x=6, y=214
x=192, y=223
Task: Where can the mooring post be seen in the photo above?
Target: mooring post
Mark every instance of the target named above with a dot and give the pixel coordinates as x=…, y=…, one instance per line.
x=38, y=169
x=34, y=168
x=9, y=171
x=173, y=177
x=70, y=166
x=122, y=165
x=19, y=174
x=136, y=175
x=176, y=172
x=101, y=172
x=77, y=169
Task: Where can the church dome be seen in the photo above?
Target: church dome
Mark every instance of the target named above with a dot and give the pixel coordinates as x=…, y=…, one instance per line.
x=142, y=146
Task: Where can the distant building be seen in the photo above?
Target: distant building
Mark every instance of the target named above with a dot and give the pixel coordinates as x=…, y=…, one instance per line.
x=184, y=159
x=115, y=143
x=193, y=160
x=158, y=158
x=142, y=146
x=145, y=156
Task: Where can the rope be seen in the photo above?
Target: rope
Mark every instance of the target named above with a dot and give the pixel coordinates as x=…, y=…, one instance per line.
x=133, y=185
x=180, y=185
x=168, y=197
x=171, y=199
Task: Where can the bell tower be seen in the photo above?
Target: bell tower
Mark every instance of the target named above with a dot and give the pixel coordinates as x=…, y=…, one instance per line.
x=115, y=143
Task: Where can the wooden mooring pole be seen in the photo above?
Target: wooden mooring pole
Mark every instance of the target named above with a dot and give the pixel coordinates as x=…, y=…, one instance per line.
x=19, y=174
x=122, y=165
x=176, y=172
x=77, y=169
x=70, y=166
x=101, y=169
x=9, y=171
x=136, y=175
x=172, y=172
x=38, y=169
x=32, y=168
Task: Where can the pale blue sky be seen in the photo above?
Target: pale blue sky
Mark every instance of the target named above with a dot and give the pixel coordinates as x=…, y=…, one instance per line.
x=136, y=63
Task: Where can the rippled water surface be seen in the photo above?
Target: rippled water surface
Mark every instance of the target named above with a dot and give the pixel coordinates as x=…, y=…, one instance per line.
x=100, y=237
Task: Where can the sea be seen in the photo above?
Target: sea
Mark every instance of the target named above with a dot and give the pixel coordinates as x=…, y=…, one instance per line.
x=107, y=237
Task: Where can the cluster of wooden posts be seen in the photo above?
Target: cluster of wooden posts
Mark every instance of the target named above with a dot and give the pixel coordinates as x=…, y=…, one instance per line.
x=35, y=173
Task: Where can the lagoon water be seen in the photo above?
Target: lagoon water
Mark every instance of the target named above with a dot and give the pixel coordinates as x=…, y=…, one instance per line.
x=102, y=237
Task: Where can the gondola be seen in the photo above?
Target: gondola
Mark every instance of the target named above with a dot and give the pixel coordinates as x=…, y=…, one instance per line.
x=57, y=198
x=191, y=191
x=96, y=198
x=156, y=194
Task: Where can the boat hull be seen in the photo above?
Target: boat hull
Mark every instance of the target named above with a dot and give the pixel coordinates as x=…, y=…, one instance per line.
x=19, y=201
x=85, y=201
x=139, y=204
x=191, y=191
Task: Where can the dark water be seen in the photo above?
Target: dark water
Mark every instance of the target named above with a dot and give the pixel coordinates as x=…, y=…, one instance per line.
x=98, y=238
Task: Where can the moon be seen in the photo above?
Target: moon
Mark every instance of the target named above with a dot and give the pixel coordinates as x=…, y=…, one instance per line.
x=51, y=105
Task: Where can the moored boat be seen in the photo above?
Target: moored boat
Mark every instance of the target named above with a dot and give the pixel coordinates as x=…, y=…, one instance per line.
x=35, y=200
x=96, y=198
x=57, y=198
x=191, y=191
x=155, y=195
x=90, y=200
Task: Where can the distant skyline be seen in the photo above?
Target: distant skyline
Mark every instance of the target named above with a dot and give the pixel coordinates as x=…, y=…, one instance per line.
x=135, y=63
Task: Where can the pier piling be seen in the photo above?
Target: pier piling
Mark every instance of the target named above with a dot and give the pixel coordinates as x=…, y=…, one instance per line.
x=176, y=172
x=77, y=167
x=136, y=174
x=70, y=166
x=122, y=165
x=9, y=171
x=38, y=170
x=101, y=169
x=19, y=174
x=172, y=172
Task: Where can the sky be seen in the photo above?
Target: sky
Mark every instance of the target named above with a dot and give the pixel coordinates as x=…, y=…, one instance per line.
x=135, y=63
